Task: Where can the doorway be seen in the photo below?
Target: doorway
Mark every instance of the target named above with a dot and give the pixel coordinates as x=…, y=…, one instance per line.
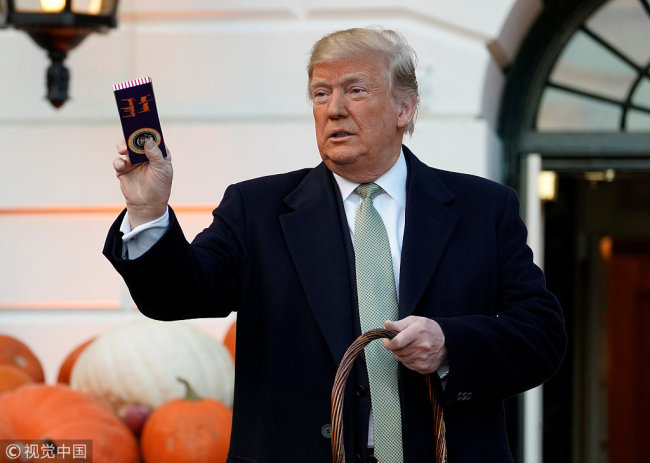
x=597, y=261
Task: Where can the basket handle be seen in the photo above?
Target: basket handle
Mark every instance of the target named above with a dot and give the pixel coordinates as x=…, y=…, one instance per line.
x=338, y=451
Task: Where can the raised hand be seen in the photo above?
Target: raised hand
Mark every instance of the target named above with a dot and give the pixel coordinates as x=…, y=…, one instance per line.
x=146, y=186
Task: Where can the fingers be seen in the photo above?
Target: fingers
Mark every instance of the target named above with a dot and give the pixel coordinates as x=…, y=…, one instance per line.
x=121, y=164
x=152, y=151
x=414, y=332
x=419, y=344
x=405, y=335
x=121, y=147
x=397, y=325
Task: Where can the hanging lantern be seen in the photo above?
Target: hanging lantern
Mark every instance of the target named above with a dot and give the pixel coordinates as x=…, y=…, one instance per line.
x=58, y=26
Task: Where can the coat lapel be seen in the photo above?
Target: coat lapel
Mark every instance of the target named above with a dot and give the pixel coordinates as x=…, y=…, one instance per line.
x=315, y=237
x=429, y=224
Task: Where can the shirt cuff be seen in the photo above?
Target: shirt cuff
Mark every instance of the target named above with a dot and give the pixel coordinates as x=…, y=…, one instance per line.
x=140, y=239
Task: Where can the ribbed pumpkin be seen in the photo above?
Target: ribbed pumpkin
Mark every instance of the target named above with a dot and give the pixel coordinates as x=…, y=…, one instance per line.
x=230, y=339
x=138, y=364
x=189, y=430
x=12, y=377
x=15, y=352
x=40, y=411
x=65, y=370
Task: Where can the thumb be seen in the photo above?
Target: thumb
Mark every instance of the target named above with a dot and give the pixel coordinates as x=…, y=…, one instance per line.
x=152, y=151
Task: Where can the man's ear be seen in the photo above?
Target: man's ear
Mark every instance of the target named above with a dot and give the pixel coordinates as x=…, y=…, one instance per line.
x=407, y=112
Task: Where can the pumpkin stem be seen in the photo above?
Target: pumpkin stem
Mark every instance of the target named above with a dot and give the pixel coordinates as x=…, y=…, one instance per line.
x=190, y=394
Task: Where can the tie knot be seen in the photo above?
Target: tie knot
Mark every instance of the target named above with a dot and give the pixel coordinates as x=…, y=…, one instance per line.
x=368, y=190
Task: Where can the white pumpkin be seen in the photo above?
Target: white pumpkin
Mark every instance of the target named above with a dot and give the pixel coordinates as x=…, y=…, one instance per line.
x=139, y=363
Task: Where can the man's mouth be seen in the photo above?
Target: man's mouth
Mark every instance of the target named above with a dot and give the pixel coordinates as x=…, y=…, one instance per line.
x=340, y=134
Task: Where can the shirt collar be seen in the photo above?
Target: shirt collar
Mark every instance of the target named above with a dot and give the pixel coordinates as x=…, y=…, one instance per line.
x=392, y=182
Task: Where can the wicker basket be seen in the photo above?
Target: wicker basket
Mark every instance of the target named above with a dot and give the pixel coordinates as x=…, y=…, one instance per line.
x=338, y=452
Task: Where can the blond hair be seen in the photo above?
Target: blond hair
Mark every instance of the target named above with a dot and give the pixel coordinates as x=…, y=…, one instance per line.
x=386, y=43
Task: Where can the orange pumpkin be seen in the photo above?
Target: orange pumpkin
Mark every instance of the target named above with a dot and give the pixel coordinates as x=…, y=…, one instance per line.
x=40, y=411
x=12, y=377
x=4, y=434
x=15, y=352
x=229, y=339
x=189, y=430
x=65, y=370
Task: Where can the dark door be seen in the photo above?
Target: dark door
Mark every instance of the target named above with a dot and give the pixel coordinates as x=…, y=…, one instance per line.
x=628, y=357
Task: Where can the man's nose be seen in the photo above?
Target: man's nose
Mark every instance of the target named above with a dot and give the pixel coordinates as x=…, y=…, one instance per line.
x=336, y=105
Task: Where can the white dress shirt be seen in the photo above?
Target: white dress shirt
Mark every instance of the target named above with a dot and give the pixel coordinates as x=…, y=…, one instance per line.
x=140, y=239
x=391, y=205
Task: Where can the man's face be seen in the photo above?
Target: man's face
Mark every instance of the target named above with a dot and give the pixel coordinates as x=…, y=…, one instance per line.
x=359, y=127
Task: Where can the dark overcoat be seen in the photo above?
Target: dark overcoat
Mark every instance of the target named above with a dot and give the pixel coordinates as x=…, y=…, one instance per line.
x=279, y=253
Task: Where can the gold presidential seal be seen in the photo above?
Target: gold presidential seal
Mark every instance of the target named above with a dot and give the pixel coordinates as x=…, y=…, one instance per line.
x=138, y=138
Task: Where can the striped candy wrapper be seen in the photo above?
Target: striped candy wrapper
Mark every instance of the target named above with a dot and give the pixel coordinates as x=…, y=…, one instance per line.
x=139, y=116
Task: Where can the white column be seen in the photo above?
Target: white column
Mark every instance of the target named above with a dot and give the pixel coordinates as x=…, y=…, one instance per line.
x=533, y=399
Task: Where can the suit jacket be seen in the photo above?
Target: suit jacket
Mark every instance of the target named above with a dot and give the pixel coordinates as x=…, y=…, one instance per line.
x=278, y=252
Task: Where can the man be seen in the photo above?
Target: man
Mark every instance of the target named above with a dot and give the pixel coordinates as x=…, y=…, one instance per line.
x=285, y=252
